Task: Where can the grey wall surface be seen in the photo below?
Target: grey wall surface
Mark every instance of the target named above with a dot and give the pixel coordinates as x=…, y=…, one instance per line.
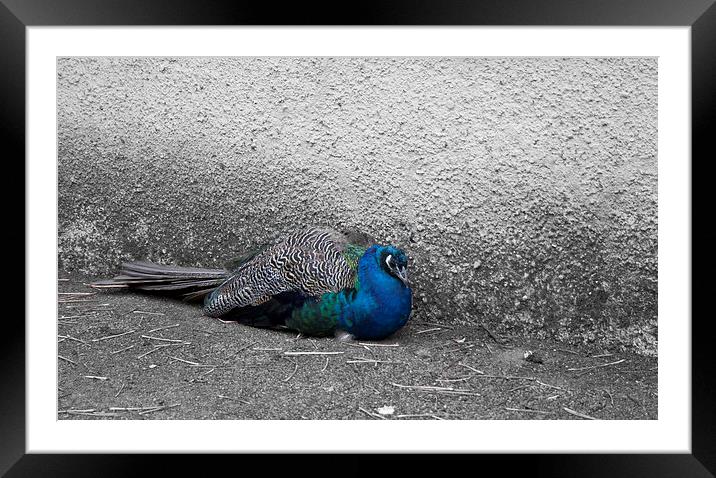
x=524, y=189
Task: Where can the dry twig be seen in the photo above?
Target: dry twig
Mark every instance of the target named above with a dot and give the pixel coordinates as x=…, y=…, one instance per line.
x=445, y=390
x=67, y=360
x=159, y=409
x=369, y=360
x=182, y=360
x=163, y=328
x=113, y=336
x=162, y=339
x=234, y=399
x=156, y=347
x=120, y=390
x=580, y=415
x=596, y=366
x=94, y=414
x=193, y=364
x=415, y=415
x=69, y=337
x=295, y=368
x=132, y=409
x=528, y=410
x=436, y=329
x=121, y=350
x=374, y=415
x=366, y=344
x=471, y=368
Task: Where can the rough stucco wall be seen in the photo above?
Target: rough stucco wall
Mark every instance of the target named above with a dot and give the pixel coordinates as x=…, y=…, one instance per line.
x=524, y=189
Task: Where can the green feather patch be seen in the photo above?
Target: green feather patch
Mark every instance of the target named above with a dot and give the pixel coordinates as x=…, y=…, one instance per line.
x=353, y=253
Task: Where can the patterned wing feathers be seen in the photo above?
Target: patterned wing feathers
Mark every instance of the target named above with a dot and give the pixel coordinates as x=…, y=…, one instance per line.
x=310, y=262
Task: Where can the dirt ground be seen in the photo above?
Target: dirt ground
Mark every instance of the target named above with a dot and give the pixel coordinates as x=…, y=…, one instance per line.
x=131, y=356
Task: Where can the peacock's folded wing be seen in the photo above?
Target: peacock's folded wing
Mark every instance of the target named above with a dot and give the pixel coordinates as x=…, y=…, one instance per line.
x=302, y=266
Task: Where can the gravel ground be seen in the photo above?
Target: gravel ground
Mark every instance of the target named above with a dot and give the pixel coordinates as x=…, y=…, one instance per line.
x=132, y=356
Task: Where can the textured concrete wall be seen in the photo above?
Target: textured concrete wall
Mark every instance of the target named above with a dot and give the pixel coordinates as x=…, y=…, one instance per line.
x=525, y=190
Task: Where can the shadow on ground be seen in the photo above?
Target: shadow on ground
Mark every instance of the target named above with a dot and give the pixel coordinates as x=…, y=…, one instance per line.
x=130, y=356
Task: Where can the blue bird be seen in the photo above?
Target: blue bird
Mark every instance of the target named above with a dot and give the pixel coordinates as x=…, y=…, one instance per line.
x=318, y=282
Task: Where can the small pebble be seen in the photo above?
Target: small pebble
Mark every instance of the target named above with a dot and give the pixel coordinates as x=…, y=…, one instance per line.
x=532, y=356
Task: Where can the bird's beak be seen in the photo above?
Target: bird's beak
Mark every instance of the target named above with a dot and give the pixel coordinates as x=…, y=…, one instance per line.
x=402, y=274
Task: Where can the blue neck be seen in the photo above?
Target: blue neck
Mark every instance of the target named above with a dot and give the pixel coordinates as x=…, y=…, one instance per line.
x=382, y=304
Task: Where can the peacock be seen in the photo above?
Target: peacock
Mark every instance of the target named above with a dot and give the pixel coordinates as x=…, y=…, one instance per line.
x=316, y=281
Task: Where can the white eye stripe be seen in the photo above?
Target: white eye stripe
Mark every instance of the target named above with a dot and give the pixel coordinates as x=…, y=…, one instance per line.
x=388, y=260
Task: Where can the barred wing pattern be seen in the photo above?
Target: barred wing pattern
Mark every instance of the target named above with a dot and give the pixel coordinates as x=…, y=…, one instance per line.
x=310, y=262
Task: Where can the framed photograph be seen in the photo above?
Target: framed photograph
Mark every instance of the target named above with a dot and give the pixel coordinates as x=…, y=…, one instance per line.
x=429, y=230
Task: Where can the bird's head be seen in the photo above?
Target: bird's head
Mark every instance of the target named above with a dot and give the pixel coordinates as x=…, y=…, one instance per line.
x=394, y=262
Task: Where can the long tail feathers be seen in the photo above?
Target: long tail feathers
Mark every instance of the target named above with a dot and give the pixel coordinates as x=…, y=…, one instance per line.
x=188, y=282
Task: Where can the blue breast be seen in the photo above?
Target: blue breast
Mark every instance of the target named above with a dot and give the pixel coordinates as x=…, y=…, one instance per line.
x=382, y=304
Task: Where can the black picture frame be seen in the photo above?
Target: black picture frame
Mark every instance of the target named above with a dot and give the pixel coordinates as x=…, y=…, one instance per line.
x=700, y=15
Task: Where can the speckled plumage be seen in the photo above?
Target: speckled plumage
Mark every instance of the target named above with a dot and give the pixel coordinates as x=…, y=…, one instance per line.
x=310, y=262
x=316, y=281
